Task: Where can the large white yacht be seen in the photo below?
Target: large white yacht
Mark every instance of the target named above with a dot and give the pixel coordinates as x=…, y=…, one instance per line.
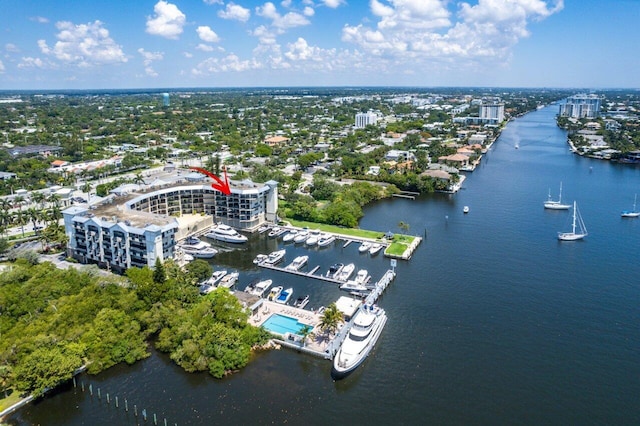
x=297, y=263
x=260, y=287
x=226, y=234
x=346, y=272
x=363, y=334
x=198, y=248
x=275, y=257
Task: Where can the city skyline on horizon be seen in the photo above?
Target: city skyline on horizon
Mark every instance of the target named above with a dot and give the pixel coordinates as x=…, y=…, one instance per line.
x=552, y=44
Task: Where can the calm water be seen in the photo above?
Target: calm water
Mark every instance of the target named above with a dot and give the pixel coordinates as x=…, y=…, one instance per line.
x=493, y=321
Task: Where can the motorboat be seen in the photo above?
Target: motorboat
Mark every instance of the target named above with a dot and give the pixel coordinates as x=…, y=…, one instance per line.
x=375, y=248
x=301, y=236
x=226, y=234
x=260, y=258
x=289, y=236
x=364, y=247
x=229, y=280
x=297, y=263
x=325, y=240
x=367, y=325
x=354, y=287
x=346, y=272
x=216, y=277
x=362, y=277
x=334, y=270
x=465, y=209
x=313, y=238
x=274, y=293
x=261, y=287
x=276, y=231
x=206, y=288
x=284, y=296
x=264, y=228
x=275, y=257
x=197, y=248
x=301, y=302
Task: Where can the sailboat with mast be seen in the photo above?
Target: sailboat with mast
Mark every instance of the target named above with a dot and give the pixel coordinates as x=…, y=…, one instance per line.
x=578, y=228
x=556, y=205
x=631, y=213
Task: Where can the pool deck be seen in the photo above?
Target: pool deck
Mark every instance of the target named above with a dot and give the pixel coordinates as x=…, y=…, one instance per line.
x=317, y=344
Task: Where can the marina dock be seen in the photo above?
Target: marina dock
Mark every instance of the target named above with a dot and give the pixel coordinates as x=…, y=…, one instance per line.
x=310, y=274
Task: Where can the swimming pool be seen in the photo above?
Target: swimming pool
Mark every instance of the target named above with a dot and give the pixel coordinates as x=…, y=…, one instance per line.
x=281, y=324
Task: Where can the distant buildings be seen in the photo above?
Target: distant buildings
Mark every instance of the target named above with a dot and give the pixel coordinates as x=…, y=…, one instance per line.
x=44, y=150
x=364, y=119
x=581, y=106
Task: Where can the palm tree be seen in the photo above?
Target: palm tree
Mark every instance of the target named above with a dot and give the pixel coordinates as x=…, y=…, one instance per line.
x=54, y=199
x=331, y=318
x=87, y=188
x=38, y=198
x=305, y=332
x=20, y=219
x=138, y=179
x=34, y=216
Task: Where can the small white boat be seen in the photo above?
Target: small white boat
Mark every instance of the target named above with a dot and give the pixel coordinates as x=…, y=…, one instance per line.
x=284, y=296
x=276, y=231
x=260, y=258
x=274, y=293
x=297, y=263
x=631, y=213
x=362, y=277
x=465, y=209
x=556, y=205
x=325, y=240
x=375, y=248
x=301, y=236
x=290, y=236
x=365, y=246
x=226, y=234
x=313, y=238
x=216, y=277
x=354, y=288
x=261, y=287
x=301, y=302
x=578, y=228
x=346, y=272
x=275, y=257
x=206, y=288
x=229, y=280
x=367, y=325
x=264, y=228
x=197, y=248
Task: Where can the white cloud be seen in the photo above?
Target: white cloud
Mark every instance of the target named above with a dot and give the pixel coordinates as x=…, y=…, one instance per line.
x=10, y=47
x=30, y=62
x=83, y=45
x=1, y=67
x=167, y=22
x=187, y=54
x=204, y=47
x=39, y=19
x=281, y=22
x=213, y=1
x=332, y=3
x=149, y=57
x=301, y=51
x=150, y=71
x=308, y=11
x=230, y=63
x=414, y=30
x=207, y=34
x=264, y=35
x=235, y=12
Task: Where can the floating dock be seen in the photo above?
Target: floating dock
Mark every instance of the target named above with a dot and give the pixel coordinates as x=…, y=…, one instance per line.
x=310, y=274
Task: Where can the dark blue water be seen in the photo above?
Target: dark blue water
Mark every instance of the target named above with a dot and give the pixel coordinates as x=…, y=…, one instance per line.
x=493, y=320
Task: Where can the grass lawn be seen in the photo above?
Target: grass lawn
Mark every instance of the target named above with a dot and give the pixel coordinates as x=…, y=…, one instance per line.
x=399, y=245
x=337, y=229
x=9, y=401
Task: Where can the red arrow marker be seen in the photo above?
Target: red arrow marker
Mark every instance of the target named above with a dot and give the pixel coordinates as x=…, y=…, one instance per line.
x=220, y=185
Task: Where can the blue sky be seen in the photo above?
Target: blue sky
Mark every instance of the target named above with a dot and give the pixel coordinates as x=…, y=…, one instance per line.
x=98, y=44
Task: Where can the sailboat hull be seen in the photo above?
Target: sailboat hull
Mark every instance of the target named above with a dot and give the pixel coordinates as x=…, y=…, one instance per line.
x=570, y=236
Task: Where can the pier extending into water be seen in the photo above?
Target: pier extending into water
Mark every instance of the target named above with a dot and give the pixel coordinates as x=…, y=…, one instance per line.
x=310, y=274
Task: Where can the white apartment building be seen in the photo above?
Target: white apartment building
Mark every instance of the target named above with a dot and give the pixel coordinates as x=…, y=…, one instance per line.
x=364, y=119
x=581, y=106
x=492, y=113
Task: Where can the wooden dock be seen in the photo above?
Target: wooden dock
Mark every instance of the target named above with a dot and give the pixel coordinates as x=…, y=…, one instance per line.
x=310, y=274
